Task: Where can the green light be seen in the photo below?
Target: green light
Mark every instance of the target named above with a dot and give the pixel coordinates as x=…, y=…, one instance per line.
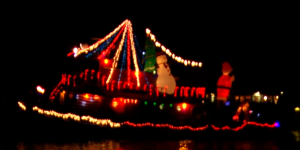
x=145, y=102
x=162, y=104
x=154, y=104
x=171, y=105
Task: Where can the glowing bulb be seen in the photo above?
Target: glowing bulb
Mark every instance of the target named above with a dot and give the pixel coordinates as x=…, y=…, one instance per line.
x=106, y=61
x=144, y=53
x=171, y=105
x=297, y=109
x=265, y=98
x=75, y=50
x=184, y=105
x=148, y=31
x=157, y=44
x=86, y=96
x=200, y=64
x=115, y=104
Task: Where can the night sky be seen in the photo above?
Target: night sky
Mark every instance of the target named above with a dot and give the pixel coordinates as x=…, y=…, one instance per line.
x=260, y=43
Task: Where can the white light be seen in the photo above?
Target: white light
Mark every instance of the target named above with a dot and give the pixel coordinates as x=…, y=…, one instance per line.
x=144, y=53
x=75, y=50
x=83, y=103
x=178, y=108
x=281, y=92
x=258, y=115
x=154, y=72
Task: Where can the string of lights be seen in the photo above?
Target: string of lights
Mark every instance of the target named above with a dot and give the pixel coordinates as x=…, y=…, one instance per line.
x=117, y=55
x=114, y=41
x=105, y=122
x=124, y=60
x=134, y=54
x=128, y=55
x=90, y=48
x=172, y=55
x=139, y=60
x=65, y=116
x=102, y=46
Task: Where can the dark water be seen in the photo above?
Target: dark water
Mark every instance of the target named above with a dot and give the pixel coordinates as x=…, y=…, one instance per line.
x=150, y=145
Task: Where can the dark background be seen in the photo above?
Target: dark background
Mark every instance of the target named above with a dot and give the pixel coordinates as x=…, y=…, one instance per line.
x=260, y=41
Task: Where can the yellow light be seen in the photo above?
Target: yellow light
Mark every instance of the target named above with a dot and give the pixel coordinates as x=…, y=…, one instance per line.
x=157, y=44
x=115, y=104
x=184, y=105
x=297, y=109
x=200, y=64
x=163, y=48
x=265, y=98
x=105, y=61
x=148, y=31
x=117, y=55
x=86, y=96
x=64, y=92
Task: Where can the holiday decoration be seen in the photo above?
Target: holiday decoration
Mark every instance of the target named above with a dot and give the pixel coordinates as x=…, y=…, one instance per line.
x=224, y=82
x=165, y=81
x=150, y=55
x=107, y=122
x=186, y=62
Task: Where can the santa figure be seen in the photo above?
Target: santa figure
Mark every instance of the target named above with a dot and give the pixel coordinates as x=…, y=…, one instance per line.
x=165, y=81
x=224, y=83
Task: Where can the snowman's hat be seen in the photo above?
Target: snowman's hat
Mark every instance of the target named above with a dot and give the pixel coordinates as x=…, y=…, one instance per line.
x=160, y=53
x=226, y=67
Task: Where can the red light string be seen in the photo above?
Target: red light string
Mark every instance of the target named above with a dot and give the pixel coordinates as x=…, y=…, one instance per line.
x=176, y=127
x=114, y=41
x=128, y=56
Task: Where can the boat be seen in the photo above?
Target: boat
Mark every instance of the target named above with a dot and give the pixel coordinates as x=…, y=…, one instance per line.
x=117, y=91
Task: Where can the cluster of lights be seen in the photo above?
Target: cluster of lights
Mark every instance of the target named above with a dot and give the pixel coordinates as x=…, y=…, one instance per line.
x=175, y=57
x=92, y=47
x=105, y=122
x=22, y=106
x=136, y=66
x=117, y=55
x=183, y=91
x=101, y=122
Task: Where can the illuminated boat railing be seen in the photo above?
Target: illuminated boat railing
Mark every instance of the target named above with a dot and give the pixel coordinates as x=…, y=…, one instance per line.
x=98, y=78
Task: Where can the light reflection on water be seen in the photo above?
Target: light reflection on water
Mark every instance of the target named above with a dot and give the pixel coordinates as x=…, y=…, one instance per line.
x=153, y=145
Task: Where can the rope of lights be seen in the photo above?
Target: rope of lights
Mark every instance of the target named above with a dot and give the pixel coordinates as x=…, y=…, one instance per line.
x=123, y=61
x=90, y=48
x=140, y=64
x=114, y=41
x=117, y=55
x=101, y=122
x=105, y=122
x=22, y=106
x=53, y=93
x=103, y=45
x=128, y=55
x=134, y=54
x=172, y=55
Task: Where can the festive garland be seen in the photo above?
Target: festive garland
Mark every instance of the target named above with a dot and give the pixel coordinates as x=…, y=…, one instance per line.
x=108, y=122
x=172, y=55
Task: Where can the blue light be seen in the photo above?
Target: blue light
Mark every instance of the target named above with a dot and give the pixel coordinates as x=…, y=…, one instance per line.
x=140, y=64
x=83, y=103
x=227, y=103
x=123, y=65
x=258, y=114
x=277, y=124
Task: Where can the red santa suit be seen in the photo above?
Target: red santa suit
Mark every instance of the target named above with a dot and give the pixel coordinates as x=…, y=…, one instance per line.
x=224, y=82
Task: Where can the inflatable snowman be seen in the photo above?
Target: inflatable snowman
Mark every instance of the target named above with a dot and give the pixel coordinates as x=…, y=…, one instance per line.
x=165, y=81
